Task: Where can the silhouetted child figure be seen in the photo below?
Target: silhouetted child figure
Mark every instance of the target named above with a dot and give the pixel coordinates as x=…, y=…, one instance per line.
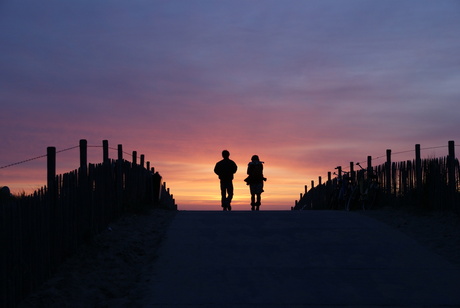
x=225, y=170
x=255, y=180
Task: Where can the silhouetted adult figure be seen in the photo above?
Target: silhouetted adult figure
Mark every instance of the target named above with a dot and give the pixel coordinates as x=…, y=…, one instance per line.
x=225, y=169
x=255, y=180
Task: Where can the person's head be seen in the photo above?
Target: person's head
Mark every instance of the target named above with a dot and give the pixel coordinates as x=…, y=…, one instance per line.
x=255, y=158
x=225, y=154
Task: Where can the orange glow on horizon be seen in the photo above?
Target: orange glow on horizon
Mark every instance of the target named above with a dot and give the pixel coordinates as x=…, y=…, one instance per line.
x=193, y=184
x=192, y=181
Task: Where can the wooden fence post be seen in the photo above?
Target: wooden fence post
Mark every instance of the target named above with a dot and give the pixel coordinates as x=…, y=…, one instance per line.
x=53, y=221
x=329, y=176
x=312, y=184
x=388, y=173
x=84, y=193
x=51, y=173
x=105, y=151
x=369, y=166
x=134, y=158
x=418, y=172
x=119, y=179
x=142, y=160
x=306, y=189
x=352, y=172
x=451, y=175
x=83, y=157
x=83, y=171
x=120, y=152
x=319, y=180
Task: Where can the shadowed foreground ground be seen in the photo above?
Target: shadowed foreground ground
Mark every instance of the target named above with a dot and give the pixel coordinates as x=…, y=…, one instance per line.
x=107, y=272
x=296, y=259
x=116, y=268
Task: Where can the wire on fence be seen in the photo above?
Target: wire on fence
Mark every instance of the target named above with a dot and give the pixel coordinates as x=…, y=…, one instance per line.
x=60, y=151
x=116, y=149
x=35, y=158
x=23, y=161
x=402, y=152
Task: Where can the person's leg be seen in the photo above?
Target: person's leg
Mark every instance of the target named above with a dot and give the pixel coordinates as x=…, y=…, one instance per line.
x=223, y=193
x=258, y=191
x=229, y=194
x=253, y=202
x=258, y=202
x=253, y=196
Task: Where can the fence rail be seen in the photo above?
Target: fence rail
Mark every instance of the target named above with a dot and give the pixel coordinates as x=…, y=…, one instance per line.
x=432, y=183
x=40, y=230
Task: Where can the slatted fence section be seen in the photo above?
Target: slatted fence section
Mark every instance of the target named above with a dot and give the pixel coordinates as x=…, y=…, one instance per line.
x=431, y=184
x=38, y=232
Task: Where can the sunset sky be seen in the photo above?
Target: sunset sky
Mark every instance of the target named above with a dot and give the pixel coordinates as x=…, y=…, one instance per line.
x=306, y=84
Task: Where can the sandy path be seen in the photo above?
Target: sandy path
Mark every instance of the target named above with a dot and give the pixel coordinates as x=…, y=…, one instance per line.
x=110, y=271
x=437, y=231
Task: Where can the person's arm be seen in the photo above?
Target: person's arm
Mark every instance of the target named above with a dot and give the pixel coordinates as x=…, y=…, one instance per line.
x=216, y=169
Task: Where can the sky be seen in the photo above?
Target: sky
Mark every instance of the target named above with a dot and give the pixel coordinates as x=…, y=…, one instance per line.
x=305, y=84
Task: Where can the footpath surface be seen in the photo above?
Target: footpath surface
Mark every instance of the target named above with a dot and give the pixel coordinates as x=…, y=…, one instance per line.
x=296, y=259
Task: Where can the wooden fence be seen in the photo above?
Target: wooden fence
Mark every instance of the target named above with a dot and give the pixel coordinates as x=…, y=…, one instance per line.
x=39, y=231
x=431, y=183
